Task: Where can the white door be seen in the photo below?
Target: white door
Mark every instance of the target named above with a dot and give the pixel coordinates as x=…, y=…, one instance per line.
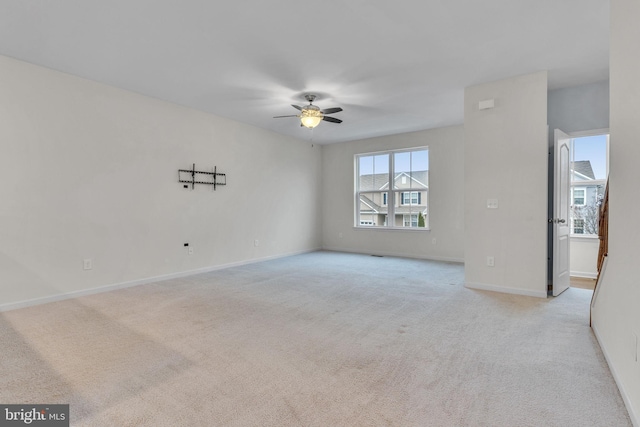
x=561, y=218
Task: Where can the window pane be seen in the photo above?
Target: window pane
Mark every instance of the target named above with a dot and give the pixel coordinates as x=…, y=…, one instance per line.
x=373, y=172
x=381, y=171
x=411, y=169
x=589, y=158
x=372, y=209
x=420, y=169
x=365, y=172
x=402, y=169
x=402, y=162
x=412, y=220
x=411, y=203
x=585, y=216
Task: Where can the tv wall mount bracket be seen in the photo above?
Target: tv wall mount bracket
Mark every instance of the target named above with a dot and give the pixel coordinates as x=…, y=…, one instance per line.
x=193, y=177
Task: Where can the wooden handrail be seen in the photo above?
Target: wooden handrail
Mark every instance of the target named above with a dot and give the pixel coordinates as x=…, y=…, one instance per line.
x=603, y=229
x=603, y=235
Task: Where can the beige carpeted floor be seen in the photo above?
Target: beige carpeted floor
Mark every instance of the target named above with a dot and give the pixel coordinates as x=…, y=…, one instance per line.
x=321, y=339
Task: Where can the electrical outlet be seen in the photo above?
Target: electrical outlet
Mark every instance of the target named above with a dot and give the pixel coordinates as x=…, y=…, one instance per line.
x=491, y=262
x=190, y=250
x=434, y=241
x=256, y=242
x=339, y=235
x=87, y=264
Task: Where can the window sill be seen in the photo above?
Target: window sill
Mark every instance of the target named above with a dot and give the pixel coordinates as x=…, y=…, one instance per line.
x=584, y=237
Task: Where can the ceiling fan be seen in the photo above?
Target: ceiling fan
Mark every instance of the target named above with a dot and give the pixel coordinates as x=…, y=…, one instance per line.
x=311, y=115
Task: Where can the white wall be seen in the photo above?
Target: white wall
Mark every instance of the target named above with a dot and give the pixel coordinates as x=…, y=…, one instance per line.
x=616, y=310
x=578, y=108
x=90, y=171
x=506, y=159
x=446, y=198
x=584, y=256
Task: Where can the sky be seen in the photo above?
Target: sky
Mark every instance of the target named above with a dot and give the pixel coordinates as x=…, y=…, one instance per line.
x=594, y=149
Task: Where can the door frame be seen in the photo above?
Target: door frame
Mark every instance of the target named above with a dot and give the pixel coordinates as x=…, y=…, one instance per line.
x=551, y=207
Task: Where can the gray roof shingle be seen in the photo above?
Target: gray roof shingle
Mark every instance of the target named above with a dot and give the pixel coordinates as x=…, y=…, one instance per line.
x=376, y=182
x=583, y=167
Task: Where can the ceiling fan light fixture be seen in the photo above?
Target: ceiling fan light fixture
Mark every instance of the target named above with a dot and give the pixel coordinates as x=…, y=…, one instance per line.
x=311, y=115
x=310, y=118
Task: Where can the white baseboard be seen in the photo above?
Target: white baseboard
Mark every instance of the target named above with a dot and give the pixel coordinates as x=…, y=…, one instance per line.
x=129, y=284
x=394, y=254
x=625, y=397
x=586, y=275
x=503, y=289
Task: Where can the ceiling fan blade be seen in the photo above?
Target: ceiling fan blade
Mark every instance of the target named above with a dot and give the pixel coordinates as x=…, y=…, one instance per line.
x=297, y=107
x=331, y=119
x=331, y=110
x=279, y=117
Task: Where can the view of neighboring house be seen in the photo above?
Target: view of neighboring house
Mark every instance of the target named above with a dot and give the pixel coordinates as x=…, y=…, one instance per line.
x=586, y=196
x=409, y=195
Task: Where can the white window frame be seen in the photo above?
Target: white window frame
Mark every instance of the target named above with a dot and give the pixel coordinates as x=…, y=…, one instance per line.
x=584, y=195
x=410, y=198
x=410, y=218
x=392, y=194
x=573, y=226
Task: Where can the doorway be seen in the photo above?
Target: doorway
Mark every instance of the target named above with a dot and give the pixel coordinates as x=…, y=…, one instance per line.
x=588, y=172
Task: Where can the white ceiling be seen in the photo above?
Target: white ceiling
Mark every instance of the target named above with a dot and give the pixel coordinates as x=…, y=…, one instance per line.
x=393, y=66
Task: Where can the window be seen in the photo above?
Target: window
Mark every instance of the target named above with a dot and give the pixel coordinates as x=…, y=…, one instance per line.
x=410, y=220
x=578, y=226
x=589, y=172
x=578, y=196
x=410, y=197
x=392, y=189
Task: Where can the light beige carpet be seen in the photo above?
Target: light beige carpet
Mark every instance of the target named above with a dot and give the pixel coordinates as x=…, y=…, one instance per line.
x=322, y=339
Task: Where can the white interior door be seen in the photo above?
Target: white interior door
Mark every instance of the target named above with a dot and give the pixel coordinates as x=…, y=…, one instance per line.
x=561, y=218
